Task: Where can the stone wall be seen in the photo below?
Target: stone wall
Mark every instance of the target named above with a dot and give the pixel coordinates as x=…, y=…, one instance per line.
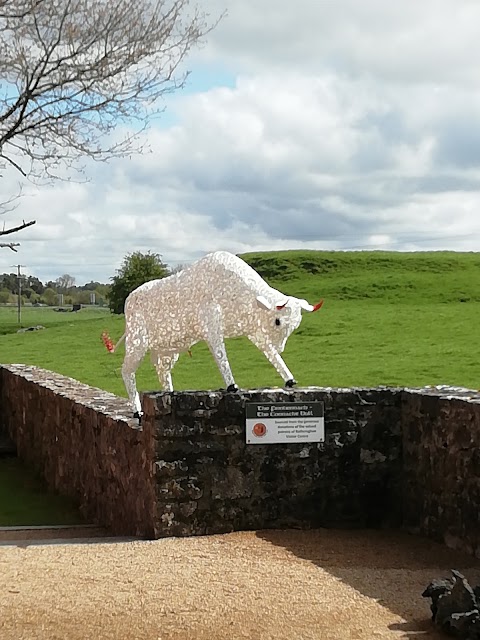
x=392, y=457
x=208, y=480
x=80, y=439
x=441, y=466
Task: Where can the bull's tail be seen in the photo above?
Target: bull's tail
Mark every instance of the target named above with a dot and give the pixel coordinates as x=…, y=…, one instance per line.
x=109, y=344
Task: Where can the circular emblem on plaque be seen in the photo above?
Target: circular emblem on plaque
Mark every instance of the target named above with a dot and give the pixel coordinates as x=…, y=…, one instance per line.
x=259, y=429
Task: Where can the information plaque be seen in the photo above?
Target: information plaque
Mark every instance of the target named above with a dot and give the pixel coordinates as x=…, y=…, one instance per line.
x=280, y=422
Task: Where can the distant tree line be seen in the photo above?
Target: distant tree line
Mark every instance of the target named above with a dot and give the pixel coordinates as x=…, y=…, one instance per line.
x=34, y=291
x=136, y=269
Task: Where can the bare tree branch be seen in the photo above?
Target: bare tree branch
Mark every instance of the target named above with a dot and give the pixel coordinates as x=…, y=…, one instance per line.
x=11, y=203
x=14, y=164
x=10, y=245
x=24, y=225
x=18, y=10
x=73, y=71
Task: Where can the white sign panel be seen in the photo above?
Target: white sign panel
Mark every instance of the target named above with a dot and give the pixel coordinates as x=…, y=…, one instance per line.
x=282, y=422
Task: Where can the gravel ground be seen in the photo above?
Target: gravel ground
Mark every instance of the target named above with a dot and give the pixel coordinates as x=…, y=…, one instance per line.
x=264, y=585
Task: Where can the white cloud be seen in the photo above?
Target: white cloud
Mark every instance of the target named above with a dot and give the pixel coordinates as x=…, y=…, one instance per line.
x=350, y=125
x=430, y=41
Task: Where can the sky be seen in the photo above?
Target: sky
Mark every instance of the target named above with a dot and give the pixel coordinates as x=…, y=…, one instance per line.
x=313, y=124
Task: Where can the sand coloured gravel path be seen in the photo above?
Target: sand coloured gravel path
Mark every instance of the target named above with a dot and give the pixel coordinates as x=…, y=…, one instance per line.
x=266, y=585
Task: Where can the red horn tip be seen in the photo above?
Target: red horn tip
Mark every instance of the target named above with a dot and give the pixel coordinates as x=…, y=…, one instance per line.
x=318, y=306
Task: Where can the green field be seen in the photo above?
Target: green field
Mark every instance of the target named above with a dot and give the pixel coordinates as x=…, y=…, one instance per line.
x=389, y=318
x=25, y=500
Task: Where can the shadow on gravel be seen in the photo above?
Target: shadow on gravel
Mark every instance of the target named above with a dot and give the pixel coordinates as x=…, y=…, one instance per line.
x=390, y=567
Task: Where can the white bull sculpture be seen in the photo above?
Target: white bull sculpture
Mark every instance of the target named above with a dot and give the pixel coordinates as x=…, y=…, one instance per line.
x=219, y=296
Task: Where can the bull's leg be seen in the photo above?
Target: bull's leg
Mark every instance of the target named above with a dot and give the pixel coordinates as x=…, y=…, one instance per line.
x=132, y=359
x=164, y=366
x=214, y=338
x=217, y=348
x=275, y=359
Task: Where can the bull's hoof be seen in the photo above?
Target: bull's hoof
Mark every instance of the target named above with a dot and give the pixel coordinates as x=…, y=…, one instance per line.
x=290, y=383
x=232, y=388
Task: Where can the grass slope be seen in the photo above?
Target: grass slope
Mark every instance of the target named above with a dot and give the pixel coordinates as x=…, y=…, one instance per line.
x=386, y=277
x=25, y=500
x=389, y=318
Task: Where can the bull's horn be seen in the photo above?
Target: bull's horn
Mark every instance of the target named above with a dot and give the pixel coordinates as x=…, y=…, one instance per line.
x=264, y=303
x=309, y=307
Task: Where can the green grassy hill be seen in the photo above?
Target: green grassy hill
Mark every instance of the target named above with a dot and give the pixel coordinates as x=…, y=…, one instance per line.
x=389, y=318
x=373, y=275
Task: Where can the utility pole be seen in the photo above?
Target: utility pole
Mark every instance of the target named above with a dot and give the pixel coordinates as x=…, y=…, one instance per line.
x=19, y=279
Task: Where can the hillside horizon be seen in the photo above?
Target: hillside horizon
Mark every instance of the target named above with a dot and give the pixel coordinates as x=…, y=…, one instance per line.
x=420, y=277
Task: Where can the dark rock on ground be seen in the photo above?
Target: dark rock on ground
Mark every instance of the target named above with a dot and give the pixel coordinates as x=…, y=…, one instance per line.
x=455, y=606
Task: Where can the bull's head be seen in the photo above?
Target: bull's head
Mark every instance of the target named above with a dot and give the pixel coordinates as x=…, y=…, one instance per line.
x=283, y=318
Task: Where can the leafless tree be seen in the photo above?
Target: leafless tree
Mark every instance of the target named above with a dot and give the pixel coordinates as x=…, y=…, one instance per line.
x=73, y=72
x=65, y=283
x=177, y=268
